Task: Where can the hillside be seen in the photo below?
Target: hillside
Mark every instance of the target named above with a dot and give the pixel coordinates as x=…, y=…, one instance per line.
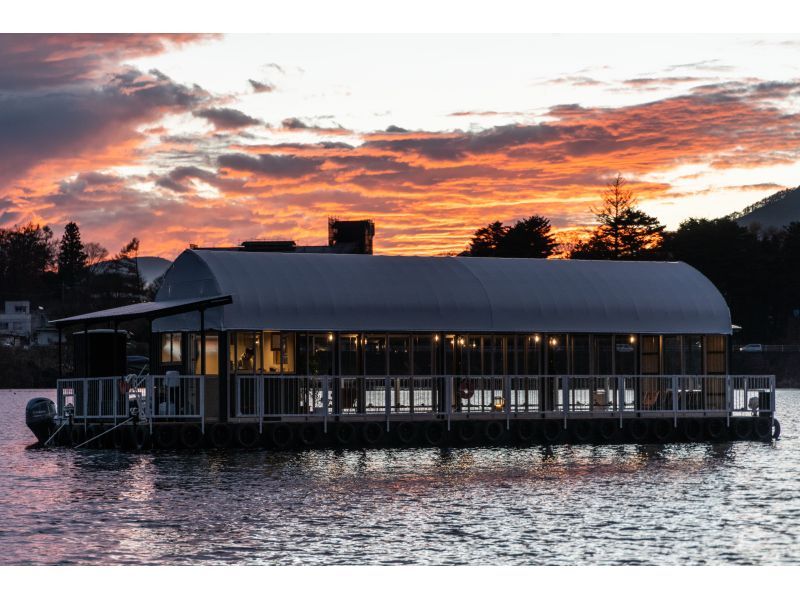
x=775, y=211
x=150, y=268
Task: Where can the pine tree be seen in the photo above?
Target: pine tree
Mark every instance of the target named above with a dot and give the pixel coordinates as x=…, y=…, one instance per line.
x=529, y=237
x=71, y=255
x=623, y=232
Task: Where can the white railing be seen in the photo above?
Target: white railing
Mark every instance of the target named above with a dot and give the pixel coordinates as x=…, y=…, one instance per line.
x=111, y=398
x=182, y=398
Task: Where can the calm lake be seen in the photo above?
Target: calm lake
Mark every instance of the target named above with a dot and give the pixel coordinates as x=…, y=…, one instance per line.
x=627, y=504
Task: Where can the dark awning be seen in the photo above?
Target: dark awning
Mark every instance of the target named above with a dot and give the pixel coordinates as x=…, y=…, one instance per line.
x=150, y=310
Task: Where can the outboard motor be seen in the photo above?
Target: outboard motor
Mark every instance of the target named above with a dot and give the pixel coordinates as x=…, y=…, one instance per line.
x=40, y=414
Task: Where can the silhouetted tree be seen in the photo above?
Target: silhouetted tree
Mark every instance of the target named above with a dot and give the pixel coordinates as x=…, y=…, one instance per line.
x=486, y=240
x=528, y=237
x=26, y=254
x=95, y=253
x=71, y=255
x=623, y=232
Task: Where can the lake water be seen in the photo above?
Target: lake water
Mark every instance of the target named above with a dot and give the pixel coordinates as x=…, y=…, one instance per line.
x=665, y=504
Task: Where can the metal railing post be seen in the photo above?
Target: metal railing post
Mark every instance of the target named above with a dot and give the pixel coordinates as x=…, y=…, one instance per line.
x=150, y=399
x=728, y=399
x=203, y=405
x=448, y=398
x=771, y=402
x=565, y=399
x=620, y=397
x=507, y=393
x=675, y=401
x=387, y=399
x=325, y=403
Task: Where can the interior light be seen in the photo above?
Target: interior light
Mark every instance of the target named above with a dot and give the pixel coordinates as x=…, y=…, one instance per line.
x=436, y=337
x=330, y=336
x=632, y=339
x=536, y=338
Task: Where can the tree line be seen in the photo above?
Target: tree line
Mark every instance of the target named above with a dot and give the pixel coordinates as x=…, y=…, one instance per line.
x=66, y=275
x=757, y=271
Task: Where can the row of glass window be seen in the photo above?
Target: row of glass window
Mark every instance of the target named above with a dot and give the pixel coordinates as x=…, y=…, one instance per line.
x=274, y=352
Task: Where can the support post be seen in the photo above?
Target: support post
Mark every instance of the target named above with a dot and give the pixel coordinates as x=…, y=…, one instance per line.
x=325, y=402
x=565, y=399
x=675, y=401
x=203, y=342
x=620, y=397
x=60, y=360
x=507, y=395
x=448, y=398
x=728, y=399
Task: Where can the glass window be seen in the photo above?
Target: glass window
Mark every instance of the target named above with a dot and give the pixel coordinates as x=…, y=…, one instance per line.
x=602, y=355
x=672, y=355
x=399, y=355
x=625, y=354
x=533, y=355
x=247, y=351
x=693, y=353
x=287, y=352
x=171, y=347
x=423, y=355
x=580, y=354
x=375, y=355
x=556, y=354
x=212, y=355
x=651, y=354
x=715, y=354
x=320, y=359
x=348, y=354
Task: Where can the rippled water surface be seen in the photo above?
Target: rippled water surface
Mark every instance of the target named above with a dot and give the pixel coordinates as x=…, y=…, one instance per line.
x=678, y=504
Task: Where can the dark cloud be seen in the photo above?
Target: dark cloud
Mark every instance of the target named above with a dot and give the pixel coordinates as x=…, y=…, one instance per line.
x=261, y=86
x=227, y=118
x=395, y=129
x=276, y=166
x=293, y=124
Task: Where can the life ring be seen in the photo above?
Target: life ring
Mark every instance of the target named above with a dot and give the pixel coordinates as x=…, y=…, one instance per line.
x=552, y=431
x=372, y=433
x=776, y=429
x=166, y=437
x=138, y=437
x=219, y=435
x=715, y=429
x=763, y=428
x=525, y=431
x=467, y=431
x=345, y=433
x=309, y=435
x=466, y=390
x=639, y=429
x=662, y=429
x=191, y=437
x=493, y=431
x=434, y=433
x=582, y=431
x=608, y=430
x=281, y=435
x=247, y=436
x=692, y=430
x=406, y=431
x=742, y=428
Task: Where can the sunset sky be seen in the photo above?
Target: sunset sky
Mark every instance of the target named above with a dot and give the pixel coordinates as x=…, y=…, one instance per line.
x=214, y=139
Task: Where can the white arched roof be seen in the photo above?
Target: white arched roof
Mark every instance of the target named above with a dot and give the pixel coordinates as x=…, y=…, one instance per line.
x=324, y=292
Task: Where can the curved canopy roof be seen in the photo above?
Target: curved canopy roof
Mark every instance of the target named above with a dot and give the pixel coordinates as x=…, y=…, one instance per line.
x=322, y=292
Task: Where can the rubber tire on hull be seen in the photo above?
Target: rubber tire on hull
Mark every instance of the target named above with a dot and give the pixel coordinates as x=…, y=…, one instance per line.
x=763, y=428
x=138, y=437
x=372, y=433
x=406, y=432
x=281, y=435
x=435, y=433
x=716, y=430
x=662, y=430
x=692, y=430
x=309, y=435
x=608, y=430
x=552, y=431
x=582, y=431
x=247, y=436
x=742, y=428
x=119, y=438
x=776, y=429
x=345, y=434
x=493, y=431
x=525, y=431
x=467, y=432
x=191, y=437
x=166, y=437
x=76, y=435
x=91, y=433
x=219, y=435
x=639, y=430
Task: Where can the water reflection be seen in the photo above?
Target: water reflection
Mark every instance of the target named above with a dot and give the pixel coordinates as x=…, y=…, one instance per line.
x=674, y=503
